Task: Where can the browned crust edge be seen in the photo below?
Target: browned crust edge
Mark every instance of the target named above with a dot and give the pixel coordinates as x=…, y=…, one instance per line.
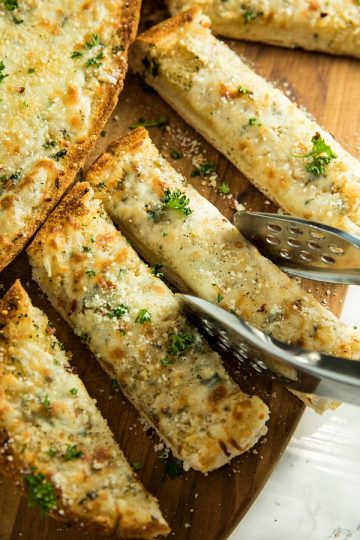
x=170, y=26
x=80, y=151
x=16, y=300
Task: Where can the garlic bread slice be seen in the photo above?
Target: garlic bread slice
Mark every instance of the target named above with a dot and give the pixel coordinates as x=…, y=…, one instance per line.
x=54, y=443
x=133, y=324
x=272, y=141
x=201, y=252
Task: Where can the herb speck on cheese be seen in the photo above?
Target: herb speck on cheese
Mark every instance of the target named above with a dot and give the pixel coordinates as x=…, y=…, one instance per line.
x=176, y=200
x=180, y=343
x=144, y=316
x=321, y=155
x=72, y=452
x=40, y=492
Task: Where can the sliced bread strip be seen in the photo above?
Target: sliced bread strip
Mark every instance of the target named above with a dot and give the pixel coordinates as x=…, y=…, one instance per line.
x=54, y=443
x=201, y=252
x=332, y=27
x=272, y=141
x=132, y=323
x=62, y=66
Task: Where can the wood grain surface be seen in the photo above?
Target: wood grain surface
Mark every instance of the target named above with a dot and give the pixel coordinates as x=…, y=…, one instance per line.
x=197, y=506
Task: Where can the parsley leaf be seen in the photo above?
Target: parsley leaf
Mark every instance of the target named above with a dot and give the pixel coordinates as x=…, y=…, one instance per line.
x=73, y=391
x=72, y=452
x=93, y=42
x=46, y=402
x=76, y=54
x=204, y=170
x=40, y=492
x=117, y=312
x=321, y=155
x=155, y=270
x=2, y=74
x=176, y=155
x=163, y=121
x=243, y=90
x=90, y=273
x=249, y=16
x=144, y=316
x=176, y=201
x=224, y=188
x=10, y=5
x=95, y=60
x=173, y=467
x=60, y=154
x=179, y=343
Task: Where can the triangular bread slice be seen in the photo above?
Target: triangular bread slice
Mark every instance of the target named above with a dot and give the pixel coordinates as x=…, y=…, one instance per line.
x=54, y=443
x=132, y=323
x=203, y=253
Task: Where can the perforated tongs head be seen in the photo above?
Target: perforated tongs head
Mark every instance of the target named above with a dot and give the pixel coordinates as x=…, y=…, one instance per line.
x=303, y=248
x=306, y=371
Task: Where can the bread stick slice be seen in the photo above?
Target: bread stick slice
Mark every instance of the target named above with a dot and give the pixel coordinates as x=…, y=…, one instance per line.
x=204, y=254
x=256, y=126
x=133, y=324
x=54, y=443
x=332, y=27
x=62, y=68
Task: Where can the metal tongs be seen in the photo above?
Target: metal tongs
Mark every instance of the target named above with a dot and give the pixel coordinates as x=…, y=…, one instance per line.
x=302, y=248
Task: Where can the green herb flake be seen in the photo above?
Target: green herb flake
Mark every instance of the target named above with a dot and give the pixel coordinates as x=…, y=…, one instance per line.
x=52, y=453
x=144, y=316
x=175, y=154
x=31, y=71
x=3, y=75
x=101, y=185
x=93, y=42
x=224, y=189
x=161, y=122
x=115, y=385
x=204, y=170
x=49, y=144
x=76, y=54
x=59, y=155
x=321, y=155
x=86, y=249
x=103, y=133
x=46, y=402
x=243, y=90
x=173, y=467
x=176, y=200
x=11, y=5
x=117, y=312
x=155, y=270
x=40, y=492
x=180, y=343
x=136, y=466
x=253, y=121
x=90, y=273
x=249, y=16
x=219, y=298
x=72, y=452
x=165, y=361
x=95, y=60
x=73, y=391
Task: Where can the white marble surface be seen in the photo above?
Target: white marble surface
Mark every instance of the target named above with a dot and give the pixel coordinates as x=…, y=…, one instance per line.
x=314, y=492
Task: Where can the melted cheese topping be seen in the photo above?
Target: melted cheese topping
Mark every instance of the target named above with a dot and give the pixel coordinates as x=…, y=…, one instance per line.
x=312, y=24
x=255, y=125
x=100, y=285
x=45, y=410
x=59, y=60
x=205, y=254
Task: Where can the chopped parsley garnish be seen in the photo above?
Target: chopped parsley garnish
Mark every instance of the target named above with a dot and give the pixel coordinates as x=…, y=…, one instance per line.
x=11, y=5
x=49, y=144
x=60, y=154
x=249, y=16
x=136, y=466
x=173, y=467
x=115, y=385
x=101, y=185
x=90, y=273
x=204, y=170
x=52, y=453
x=72, y=452
x=76, y=54
x=156, y=270
x=254, y=121
x=180, y=343
x=243, y=90
x=3, y=75
x=161, y=122
x=117, y=48
x=176, y=201
x=151, y=65
x=117, y=312
x=95, y=60
x=31, y=71
x=93, y=42
x=74, y=391
x=40, y=492
x=321, y=155
x=224, y=188
x=103, y=133
x=219, y=298
x=165, y=361
x=144, y=316
x=46, y=402
x=176, y=155
x=86, y=249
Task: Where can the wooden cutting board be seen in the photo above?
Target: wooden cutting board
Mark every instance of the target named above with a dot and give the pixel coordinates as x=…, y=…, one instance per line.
x=198, y=506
